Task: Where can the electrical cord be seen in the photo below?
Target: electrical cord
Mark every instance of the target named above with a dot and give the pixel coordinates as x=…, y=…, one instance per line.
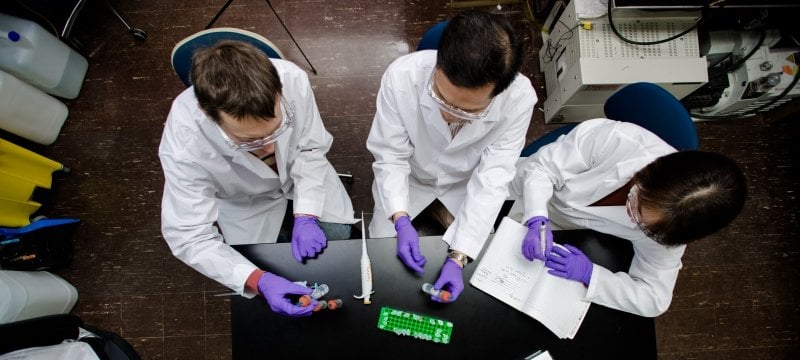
x=551, y=50
x=634, y=42
x=762, y=107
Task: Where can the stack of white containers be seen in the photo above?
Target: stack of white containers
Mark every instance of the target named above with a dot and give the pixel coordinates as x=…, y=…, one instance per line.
x=32, y=62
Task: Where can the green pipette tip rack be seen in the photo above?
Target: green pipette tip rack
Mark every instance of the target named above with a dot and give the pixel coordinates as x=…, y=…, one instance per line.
x=415, y=325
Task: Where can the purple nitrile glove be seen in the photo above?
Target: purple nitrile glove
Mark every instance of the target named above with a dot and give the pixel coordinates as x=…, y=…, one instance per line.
x=450, y=279
x=408, y=244
x=275, y=289
x=570, y=264
x=307, y=238
x=532, y=244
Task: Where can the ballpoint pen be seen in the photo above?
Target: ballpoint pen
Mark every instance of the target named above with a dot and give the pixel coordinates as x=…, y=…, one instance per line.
x=542, y=239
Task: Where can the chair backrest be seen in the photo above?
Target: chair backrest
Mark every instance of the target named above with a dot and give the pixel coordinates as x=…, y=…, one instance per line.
x=647, y=105
x=430, y=40
x=655, y=109
x=183, y=50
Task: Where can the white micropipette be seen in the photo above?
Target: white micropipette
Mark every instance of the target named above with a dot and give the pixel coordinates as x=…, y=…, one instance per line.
x=366, y=268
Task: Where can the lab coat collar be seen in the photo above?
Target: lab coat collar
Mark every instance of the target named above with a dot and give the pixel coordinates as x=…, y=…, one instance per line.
x=433, y=116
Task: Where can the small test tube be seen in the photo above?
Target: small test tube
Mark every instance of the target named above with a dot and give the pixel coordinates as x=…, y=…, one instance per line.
x=304, y=301
x=441, y=294
x=334, y=304
x=321, y=305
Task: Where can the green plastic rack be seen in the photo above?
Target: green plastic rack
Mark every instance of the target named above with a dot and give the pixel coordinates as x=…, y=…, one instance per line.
x=415, y=325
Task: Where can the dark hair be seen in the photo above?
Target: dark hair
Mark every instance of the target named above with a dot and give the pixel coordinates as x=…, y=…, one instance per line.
x=479, y=48
x=697, y=192
x=237, y=78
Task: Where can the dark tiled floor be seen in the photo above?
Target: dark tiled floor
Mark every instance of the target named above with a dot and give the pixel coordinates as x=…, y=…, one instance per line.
x=736, y=297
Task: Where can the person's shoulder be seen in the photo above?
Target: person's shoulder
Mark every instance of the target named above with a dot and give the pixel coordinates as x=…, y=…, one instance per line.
x=286, y=66
x=413, y=61
x=185, y=102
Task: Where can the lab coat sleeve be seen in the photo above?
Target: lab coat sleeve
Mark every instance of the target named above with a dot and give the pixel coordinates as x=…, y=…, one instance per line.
x=646, y=289
x=487, y=188
x=308, y=169
x=593, y=142
x=188, y=213
x=389, y=143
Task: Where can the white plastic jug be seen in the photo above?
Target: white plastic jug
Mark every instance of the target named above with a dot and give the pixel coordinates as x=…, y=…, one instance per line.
x=30, y=53
x=28, y=112
x=31, y=294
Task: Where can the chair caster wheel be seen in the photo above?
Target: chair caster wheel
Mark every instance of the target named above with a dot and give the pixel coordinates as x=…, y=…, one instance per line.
x=139, y=34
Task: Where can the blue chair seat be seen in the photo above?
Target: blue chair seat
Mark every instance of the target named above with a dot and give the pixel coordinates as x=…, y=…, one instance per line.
x=647, y=105
x=183, y=50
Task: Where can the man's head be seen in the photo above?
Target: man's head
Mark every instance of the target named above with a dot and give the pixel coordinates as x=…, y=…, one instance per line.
x=479, y=49
x=235, y=78
x=687, y=195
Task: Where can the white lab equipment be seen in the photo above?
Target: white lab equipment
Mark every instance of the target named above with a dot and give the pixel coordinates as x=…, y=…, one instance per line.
x=28, y=112
x=584, y=62
x=366, y=268
x=764, y=76
x=31, y=53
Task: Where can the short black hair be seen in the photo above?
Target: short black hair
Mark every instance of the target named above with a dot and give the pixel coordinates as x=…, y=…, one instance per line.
x=479, y=48
x=697, y=193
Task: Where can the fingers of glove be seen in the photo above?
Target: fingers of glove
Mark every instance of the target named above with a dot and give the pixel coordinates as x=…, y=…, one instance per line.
x=560, y=251
x=528, y=251
x=573, y=249
x=556, y=265
x=405, y=253
x=411, y=264
x=287, y=308
x=557, y=259
x=416, y=254
x=558, y=273
x=296, y=251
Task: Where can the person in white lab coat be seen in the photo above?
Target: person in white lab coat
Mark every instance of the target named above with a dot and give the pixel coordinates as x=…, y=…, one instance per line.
x=620, y=179
x=450, y=125
x=237, y=145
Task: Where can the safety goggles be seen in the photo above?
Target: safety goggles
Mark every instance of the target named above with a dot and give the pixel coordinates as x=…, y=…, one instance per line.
x=635, y=213
x=451, y=109
x=286, y=122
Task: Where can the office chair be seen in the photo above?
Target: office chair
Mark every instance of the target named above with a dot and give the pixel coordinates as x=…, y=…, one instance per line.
x=647, y=105
x=182, y=52
x=55, y=329
x=430, y=40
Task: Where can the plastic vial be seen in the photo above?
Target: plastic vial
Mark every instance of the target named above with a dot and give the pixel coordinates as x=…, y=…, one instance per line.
x=304, y=300
x=319, y=291
x=441, y=294
x=334, y=304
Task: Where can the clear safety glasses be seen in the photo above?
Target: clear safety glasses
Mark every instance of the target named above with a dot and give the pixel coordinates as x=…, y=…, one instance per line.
x=634, y=211
x=462, y=114
x=286, y=122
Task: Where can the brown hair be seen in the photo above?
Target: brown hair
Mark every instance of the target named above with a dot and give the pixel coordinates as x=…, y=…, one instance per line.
x=697, y=193
x=237, y=78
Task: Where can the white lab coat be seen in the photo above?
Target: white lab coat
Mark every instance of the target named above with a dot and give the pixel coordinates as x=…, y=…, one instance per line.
x=209, y=184
x=563, y=178
x=417, y=160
